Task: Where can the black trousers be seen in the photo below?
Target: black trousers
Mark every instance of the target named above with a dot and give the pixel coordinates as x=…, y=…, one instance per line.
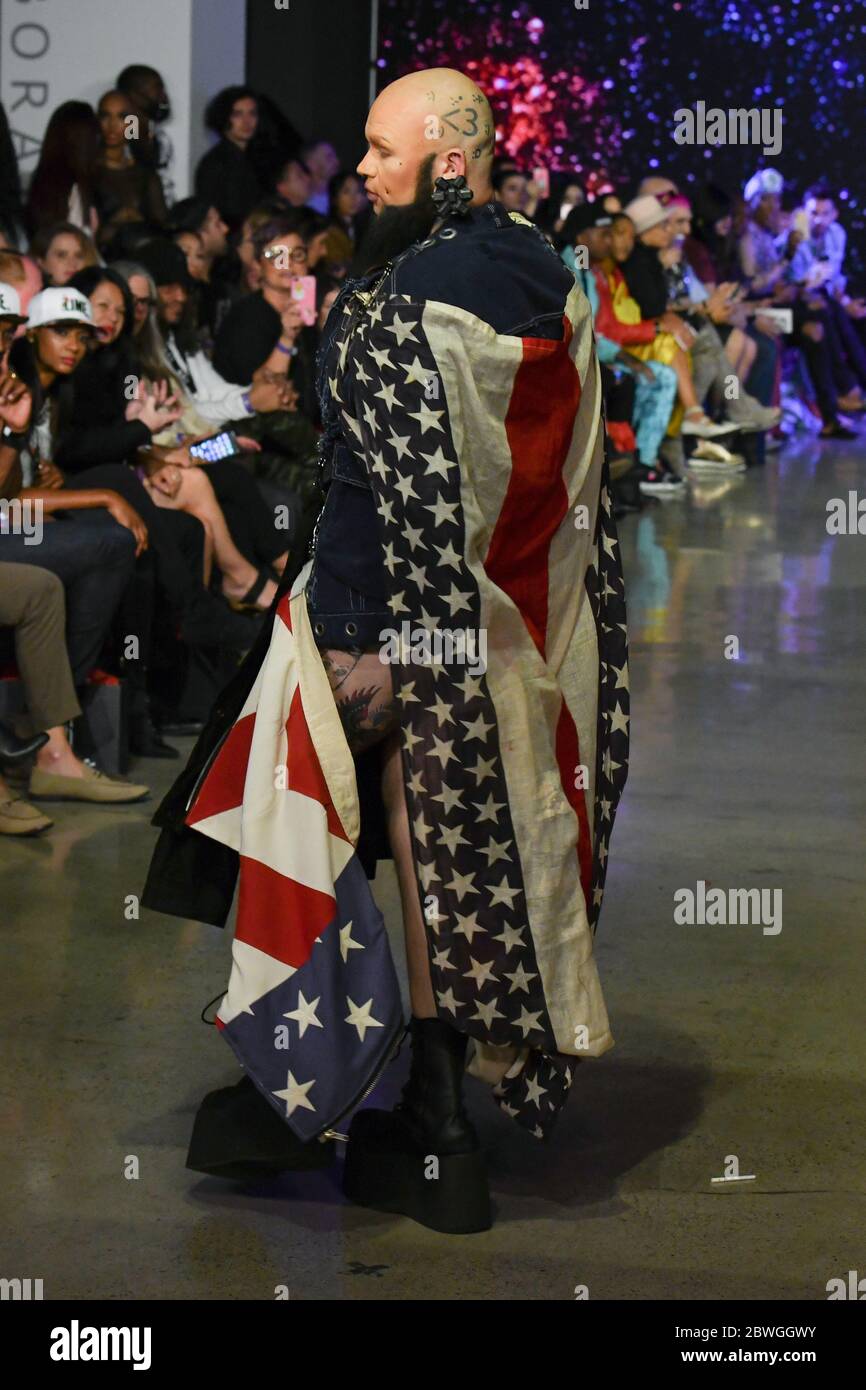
x=847, y=352
x=250, y=519
x=173, y=537
x=95, y=558
x=818, y=360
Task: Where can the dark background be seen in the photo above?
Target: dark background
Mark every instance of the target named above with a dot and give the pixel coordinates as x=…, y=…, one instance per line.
x=600, y=85
x=316, y=66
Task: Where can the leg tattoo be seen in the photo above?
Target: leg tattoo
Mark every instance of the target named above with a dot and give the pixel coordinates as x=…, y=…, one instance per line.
x=364, y=695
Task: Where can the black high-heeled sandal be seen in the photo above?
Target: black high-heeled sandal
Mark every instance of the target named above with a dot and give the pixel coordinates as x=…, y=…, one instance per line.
x=248, y=603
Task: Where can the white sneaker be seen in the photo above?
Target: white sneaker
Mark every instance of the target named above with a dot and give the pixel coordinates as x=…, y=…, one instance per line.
x=715, y=458
x=704, y=468
x=705, y=428
x=765, y=417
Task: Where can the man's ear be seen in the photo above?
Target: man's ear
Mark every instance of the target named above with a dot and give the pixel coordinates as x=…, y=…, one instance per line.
x=453, y=162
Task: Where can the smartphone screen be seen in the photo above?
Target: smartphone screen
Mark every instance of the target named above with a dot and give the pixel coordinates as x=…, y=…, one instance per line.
x=541, y=179
x=219, y=446
x=304, y=295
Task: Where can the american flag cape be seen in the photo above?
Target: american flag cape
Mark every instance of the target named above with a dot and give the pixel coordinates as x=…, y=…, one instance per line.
x=485, y=455
x=313, y=1004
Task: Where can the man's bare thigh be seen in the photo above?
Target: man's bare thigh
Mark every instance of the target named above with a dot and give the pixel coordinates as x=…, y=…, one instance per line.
x=364, y=695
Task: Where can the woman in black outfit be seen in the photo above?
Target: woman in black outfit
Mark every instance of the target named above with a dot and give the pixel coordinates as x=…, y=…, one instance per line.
x=62, y=187
x=126, y=191
x=106, y=423
x=93, y=436
x=264, y=330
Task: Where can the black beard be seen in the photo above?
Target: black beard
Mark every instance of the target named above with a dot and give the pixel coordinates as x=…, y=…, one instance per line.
x=397, y=227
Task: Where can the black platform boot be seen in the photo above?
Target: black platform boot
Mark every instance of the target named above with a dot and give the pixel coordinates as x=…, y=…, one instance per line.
x=423, y=1159
x=238, y=1135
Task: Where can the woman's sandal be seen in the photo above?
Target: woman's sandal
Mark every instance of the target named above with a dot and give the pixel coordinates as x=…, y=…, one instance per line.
x=248, y=602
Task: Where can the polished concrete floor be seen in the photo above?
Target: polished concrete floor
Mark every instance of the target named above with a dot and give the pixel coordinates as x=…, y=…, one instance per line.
x=729, y=1040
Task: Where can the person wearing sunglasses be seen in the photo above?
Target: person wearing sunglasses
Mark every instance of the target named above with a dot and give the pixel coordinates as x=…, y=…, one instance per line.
x=264, y=332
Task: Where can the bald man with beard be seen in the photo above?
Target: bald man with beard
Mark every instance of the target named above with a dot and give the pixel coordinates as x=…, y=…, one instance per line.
x=463, y=603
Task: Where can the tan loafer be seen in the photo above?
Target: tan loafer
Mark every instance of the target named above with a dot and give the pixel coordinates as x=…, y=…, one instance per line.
x=93, y=786
x=20, y=818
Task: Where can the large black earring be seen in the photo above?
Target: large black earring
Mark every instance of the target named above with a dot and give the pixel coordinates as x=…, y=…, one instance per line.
x=451, y=197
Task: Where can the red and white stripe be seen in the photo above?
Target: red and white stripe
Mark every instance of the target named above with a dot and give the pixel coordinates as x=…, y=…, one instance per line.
x=272, y=793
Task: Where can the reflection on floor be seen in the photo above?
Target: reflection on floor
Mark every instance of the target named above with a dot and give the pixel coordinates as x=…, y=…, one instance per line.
x=747, y=772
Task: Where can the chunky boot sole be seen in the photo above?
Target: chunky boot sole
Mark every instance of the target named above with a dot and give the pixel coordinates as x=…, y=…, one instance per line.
x=386, y=1173
x=239, y=1136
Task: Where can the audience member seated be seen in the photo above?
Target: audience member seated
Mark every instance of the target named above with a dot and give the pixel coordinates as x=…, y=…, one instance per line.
x=313, y=228
x=23, y=274
x=711, y=369
x=147, y=99
x=250, y=273
x=766, y=254
x=203, y=237
x=62, y=189
x=662, y=338
x=226, y=177
x=589, y=226
x=33, y=606
x=322, y=160
x=61, y=251
x=265, y=330
x=97, y=423
x=125, y=190
x=106, y=424
x=348, y=218
x=293, y=183
x=511, y=187
x=90, y=537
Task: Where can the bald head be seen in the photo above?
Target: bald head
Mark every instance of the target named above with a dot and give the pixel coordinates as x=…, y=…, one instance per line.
x=656, y=186
x=438, y=113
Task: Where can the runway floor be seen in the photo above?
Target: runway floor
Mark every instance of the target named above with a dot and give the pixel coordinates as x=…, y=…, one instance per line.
x=730, y=1040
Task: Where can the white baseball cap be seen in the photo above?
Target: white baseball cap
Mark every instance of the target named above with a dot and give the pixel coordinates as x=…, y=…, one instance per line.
x=10, y=303
x=646, y=212
x=765, y=181
x=59, y=305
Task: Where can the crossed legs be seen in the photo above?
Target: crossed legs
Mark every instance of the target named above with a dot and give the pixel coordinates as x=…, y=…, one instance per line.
x=193, y=492
x=363, y=691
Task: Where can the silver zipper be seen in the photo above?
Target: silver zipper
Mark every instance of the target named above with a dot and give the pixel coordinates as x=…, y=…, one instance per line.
x=334, y=1133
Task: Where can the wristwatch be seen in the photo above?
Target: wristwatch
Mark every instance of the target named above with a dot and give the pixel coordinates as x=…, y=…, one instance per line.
x=12, y=439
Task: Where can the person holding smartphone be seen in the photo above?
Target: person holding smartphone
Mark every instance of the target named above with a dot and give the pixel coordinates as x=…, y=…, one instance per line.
x=271, y=330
